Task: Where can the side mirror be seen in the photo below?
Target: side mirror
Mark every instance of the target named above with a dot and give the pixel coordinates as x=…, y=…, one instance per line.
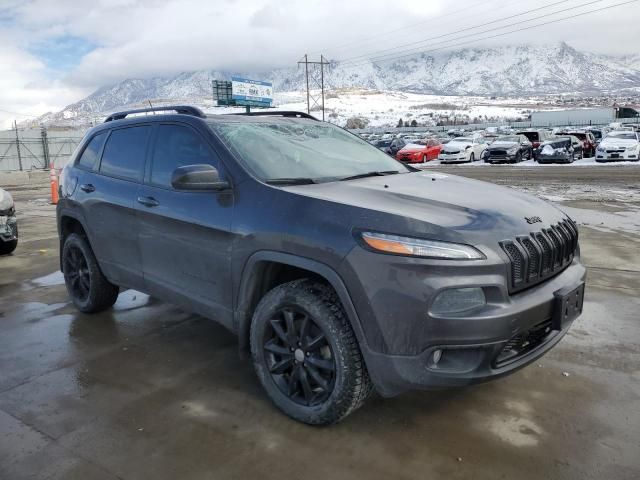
x=198, y=178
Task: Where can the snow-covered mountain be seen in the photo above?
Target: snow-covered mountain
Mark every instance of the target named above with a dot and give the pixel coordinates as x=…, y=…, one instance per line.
x=507, y=70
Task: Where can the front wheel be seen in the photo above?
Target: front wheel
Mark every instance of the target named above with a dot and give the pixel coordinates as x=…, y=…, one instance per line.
x=88, y=288
x=472, y=157
x=306, y=354
x=424, y=158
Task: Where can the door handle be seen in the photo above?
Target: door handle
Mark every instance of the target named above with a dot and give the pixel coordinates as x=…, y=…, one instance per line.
x=88, y=188
x=148, y=201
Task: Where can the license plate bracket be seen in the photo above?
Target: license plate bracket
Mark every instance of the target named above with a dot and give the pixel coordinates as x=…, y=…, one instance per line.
x=568, y=305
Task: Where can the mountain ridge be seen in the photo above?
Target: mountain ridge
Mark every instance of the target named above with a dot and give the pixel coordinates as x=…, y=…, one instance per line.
x=491, y=71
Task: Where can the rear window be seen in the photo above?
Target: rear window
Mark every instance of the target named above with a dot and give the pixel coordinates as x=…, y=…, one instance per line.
x=92, y=150
x=124, y=153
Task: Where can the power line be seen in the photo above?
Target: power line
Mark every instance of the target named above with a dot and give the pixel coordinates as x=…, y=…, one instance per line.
x=570, y=17
x=400, y=29
x=349, y=59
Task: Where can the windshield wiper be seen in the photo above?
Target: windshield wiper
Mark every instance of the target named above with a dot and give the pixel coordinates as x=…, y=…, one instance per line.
x=291, y=181
x=370, y=174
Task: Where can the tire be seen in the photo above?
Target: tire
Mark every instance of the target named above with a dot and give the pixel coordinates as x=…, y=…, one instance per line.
x=424, y=158
x=518, y=158
x=285, y=358
x=88, y=288
x=472, y=158
x=8, y=247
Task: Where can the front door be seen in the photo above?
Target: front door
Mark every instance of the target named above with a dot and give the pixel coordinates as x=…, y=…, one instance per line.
x=185, y=237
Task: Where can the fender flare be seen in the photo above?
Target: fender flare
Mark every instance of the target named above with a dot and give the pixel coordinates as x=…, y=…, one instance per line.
x=242, y=318
x=70, y=213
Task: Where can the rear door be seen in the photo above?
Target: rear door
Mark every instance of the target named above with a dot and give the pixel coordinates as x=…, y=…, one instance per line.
x=107, y=194
x=185, y=237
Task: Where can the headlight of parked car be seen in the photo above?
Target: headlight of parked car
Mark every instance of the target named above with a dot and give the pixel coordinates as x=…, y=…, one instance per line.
x=601, y=149
x=417, y=247
x=6, y=200
x=632, y=148
x=512, y=150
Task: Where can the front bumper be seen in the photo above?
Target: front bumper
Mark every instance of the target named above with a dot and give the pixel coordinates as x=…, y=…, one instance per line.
x=617, y=156
x=8, y=228
x=453, y=157
x=402, y=335
x=553, y=158
x=489, y=158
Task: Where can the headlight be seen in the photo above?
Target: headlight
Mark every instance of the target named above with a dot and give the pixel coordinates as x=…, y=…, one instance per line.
x=601, y=149
x=6, y=201
x=456, y=300
x=512, y=150
x=417, y=247
x=631, y=148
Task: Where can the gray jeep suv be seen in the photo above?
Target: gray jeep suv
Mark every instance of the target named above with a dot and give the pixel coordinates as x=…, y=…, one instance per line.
x=339, y=268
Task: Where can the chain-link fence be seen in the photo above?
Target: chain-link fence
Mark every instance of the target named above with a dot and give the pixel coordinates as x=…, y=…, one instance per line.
x=29, y=149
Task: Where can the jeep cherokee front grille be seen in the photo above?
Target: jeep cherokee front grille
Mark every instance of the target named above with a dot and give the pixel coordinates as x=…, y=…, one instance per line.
x=540, y=255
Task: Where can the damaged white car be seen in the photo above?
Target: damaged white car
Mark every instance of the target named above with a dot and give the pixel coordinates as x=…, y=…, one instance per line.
x=8, y=224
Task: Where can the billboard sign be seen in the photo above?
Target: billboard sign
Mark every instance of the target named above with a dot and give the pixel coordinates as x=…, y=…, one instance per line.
x=251, y=92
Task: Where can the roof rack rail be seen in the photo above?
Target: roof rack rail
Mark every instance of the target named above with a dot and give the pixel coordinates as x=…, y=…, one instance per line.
x=181, y=109
x=277, y=113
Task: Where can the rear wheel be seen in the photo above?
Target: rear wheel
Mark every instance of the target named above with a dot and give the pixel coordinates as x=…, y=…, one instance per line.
x=306, y=354
x=88, y=288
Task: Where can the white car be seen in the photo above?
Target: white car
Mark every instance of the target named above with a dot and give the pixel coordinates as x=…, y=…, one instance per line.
x=8, y=224
x=463, y=149
x=619, y=145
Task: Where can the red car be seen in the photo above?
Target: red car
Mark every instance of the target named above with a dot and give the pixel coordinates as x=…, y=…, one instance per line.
x=420, y=151
x=588, y=142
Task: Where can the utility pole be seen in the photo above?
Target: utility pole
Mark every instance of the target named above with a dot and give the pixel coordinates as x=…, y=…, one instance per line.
x=15, y=126
x=314, y=76
x=45, y=146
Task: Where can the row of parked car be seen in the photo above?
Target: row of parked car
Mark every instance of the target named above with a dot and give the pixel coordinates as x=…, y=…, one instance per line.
x=544, y=146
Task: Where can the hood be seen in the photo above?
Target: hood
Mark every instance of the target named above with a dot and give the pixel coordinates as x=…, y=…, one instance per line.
x=438, y=206
x=618, y=142
x=456, y=145
x=413, y=147
x=503, y=145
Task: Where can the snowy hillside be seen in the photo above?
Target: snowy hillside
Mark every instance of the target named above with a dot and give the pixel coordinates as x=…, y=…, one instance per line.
x=509, y=70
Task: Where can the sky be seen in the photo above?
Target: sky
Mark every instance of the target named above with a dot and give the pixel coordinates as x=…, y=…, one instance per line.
x=56, y=52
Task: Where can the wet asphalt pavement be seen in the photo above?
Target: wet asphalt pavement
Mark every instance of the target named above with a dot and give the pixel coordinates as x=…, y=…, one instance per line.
x=146, y=390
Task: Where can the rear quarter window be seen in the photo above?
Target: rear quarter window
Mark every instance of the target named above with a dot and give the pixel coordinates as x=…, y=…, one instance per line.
x=125, y=151
x=92, y=150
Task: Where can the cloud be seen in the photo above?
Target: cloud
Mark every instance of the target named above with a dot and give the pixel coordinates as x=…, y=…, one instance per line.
x=145, y=38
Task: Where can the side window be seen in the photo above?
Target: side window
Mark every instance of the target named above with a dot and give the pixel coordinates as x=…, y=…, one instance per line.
x=177, y=146
x=124, y=153
x=91, y=151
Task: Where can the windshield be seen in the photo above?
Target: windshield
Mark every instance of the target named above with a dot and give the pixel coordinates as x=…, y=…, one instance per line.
x=383, y=143
x=623, y=135
x=309, y=150
x=508, y=138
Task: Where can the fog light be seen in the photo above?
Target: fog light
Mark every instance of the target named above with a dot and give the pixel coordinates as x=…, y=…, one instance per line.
x=437, y=355
x=456, y=300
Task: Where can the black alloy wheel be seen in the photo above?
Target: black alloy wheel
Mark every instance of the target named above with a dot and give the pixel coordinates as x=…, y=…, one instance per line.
x=76, y=271
x=299, y=357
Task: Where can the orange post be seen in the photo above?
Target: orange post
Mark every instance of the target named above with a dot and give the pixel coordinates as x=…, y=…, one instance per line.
x=54, y=185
